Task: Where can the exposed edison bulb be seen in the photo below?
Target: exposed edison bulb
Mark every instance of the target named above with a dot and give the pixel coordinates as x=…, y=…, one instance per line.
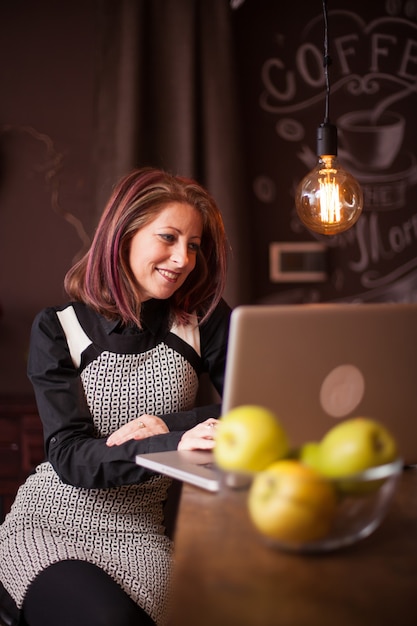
x=328, y=200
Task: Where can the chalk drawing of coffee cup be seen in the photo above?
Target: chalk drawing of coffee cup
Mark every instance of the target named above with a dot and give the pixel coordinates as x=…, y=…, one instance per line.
x=371, y=141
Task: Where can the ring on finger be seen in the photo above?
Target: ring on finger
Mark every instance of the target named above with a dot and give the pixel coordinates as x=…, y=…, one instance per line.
x=141, y=424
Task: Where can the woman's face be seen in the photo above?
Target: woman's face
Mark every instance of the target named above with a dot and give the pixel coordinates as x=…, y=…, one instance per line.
x=164, y=252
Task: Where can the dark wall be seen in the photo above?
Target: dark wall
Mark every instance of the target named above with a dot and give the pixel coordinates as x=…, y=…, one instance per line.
x=373, y=47
x=48, y=74
x=55, y=129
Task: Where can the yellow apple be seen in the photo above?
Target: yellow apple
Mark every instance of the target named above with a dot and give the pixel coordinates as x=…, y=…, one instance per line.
x=309, y=454
x=248, y=439
x=354, y=445
x=292, y=503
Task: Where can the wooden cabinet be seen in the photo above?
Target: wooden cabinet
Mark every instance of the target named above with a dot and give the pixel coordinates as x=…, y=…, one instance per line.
x=21, y=445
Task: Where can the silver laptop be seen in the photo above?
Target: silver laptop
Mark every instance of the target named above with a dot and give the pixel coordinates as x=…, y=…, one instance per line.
x=191, y=466
x=316, y=364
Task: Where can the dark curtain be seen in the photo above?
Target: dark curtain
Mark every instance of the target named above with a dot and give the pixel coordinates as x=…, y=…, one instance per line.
x=168, y=97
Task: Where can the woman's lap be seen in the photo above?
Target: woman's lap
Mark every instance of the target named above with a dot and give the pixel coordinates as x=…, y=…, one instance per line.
x=78, y=593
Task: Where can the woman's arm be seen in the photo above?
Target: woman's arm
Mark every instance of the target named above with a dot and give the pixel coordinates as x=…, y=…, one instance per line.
x=75, y=452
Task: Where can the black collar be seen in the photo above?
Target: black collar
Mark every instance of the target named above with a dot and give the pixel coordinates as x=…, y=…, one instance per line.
x=154, y=314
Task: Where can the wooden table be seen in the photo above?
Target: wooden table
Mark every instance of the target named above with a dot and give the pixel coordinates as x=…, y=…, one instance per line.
x=225, y=575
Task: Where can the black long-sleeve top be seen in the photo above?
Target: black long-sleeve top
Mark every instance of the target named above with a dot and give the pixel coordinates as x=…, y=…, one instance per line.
x=74, y=443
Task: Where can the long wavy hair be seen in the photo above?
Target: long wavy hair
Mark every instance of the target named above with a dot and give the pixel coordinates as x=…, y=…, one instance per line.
x=103, y=278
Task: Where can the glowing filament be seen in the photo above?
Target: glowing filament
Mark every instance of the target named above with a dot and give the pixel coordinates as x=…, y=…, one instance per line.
x=329, y=201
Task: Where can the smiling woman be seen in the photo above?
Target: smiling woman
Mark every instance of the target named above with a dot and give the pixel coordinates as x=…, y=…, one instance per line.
x=104, y=277
x=116, y=373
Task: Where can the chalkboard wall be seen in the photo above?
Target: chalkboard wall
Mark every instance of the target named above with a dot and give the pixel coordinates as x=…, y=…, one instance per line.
x=373, y=76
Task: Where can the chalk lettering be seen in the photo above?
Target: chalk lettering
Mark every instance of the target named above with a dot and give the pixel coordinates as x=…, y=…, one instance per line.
x=281, y=82
x=385, y=196
x=371, y=247
x=407, y=59
x=288, y=79
x=378, y=50
x=309, y=59
x=343, y=52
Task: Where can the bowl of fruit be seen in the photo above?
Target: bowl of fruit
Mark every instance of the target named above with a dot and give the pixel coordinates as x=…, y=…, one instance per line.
x=319, y=497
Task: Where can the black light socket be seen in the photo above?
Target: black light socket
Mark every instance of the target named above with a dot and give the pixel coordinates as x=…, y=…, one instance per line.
x=327, y=139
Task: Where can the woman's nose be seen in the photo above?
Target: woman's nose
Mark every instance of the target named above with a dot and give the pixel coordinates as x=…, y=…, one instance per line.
x=180, y=255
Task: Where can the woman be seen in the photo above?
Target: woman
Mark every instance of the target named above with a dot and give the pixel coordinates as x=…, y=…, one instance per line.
x=115, y=373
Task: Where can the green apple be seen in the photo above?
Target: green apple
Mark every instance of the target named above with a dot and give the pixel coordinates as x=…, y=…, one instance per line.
x=248, y=439
x=354, y=445
x=292, y=503
x=309, y=454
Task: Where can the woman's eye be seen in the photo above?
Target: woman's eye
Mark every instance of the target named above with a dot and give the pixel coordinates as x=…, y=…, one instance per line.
x=167, y=237
x=194, y=247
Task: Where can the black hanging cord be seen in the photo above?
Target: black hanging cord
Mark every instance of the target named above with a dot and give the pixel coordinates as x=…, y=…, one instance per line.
x=326, y=132
x=326, y=62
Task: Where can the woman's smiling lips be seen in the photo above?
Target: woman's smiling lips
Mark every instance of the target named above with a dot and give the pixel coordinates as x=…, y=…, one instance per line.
x=172, y=277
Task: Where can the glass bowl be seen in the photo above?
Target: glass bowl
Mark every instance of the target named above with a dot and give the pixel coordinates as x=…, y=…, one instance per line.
x=361, y=503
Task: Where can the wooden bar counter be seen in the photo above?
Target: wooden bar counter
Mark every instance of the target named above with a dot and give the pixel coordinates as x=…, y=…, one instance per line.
x=225, y=575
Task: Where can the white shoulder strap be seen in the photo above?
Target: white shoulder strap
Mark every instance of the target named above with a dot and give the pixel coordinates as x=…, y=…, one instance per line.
x=77, y=339
x=190, y=334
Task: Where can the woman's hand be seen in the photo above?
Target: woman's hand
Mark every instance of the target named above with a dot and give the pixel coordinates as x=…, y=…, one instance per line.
x=201, y=437
x=139, y=428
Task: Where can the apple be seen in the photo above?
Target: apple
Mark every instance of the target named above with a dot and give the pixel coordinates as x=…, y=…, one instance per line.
x=248, y=439
x=309, y=454
x=354, y=445
x=292, y=503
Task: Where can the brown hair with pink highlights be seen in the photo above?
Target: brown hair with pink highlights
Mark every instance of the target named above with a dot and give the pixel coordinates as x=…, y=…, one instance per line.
x=103, y=279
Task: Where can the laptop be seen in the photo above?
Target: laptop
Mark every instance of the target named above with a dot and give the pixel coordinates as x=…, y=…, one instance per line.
x=191, y=466
x=317, y=364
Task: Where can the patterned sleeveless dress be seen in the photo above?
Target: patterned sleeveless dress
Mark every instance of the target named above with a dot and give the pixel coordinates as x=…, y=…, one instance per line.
x=119, y=528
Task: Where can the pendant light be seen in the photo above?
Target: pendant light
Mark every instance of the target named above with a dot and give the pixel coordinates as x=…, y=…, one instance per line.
x=328, y=200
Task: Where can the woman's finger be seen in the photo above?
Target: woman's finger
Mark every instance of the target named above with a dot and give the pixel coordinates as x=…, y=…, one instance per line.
x=135, y=429
x=196, y=443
